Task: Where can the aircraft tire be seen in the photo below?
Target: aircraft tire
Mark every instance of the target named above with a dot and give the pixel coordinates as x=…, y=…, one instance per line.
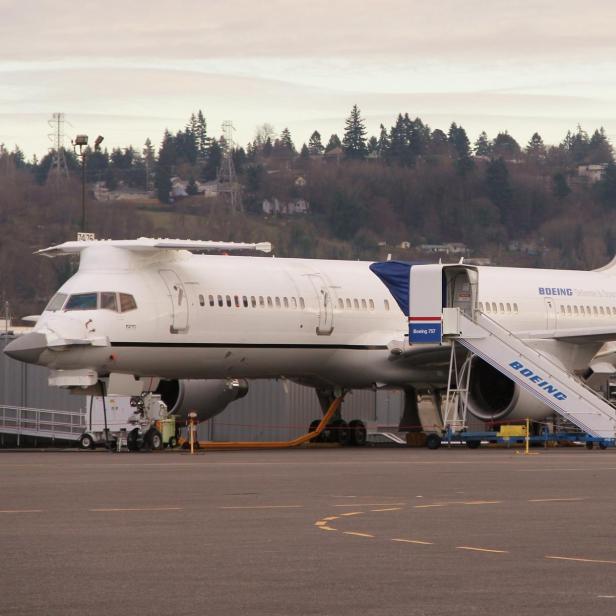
x=172, y=442
x=341, y=433
x=132, y=440
x=357, y=428
x=473, y=444
x=433, y=441
x=589, y=444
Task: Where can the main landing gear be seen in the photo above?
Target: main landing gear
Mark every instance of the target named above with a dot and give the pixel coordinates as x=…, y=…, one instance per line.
x=352, y=433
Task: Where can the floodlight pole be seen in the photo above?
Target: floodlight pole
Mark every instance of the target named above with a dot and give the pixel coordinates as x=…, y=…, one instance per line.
x=83, y=192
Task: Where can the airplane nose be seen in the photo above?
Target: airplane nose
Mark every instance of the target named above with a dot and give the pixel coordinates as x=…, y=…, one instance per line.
x=27, y=348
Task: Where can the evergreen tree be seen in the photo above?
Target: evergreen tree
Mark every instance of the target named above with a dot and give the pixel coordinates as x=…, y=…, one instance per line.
x=383, y=144
x=286, y=142
x=333, y=143
x=202, y=140
x=191, y=126
x=461, y=148
x=599, y=148
x=354, y=140
x=535, y=149
x=506, y=147
x=373, y=146
x=560, y=188
x=213, y=161
x=577, y=145
x=315, y=146
x=167, y=157
x=438, y=143
x=606, y=187
x=399, y=150
x=268, y=148
x=482, y=145
x=305, y=152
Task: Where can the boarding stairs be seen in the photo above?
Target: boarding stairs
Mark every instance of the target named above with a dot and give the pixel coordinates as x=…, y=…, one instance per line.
x=42, y=423
x=559, y=389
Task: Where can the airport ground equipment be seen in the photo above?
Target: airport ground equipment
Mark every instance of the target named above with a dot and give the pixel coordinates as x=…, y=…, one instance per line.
x=439, y=314
x=139, y=422
x=45, y=423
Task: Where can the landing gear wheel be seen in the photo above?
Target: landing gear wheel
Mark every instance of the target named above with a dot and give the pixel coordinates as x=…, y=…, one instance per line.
x=173, y=442
x=341, y=433
x=473, y=444
x=358, y=432
x=602, y=445
x=313, y=426
x=433, y=441
x=155, y=439
x=86, y=442
x=132, y=440
x=589, y=444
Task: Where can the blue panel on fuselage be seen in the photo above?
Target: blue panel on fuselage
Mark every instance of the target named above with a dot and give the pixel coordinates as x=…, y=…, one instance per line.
x=395, y=275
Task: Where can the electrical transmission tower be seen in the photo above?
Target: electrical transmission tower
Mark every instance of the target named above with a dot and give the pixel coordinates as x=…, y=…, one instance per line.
x=227, y=178
x=59, y=168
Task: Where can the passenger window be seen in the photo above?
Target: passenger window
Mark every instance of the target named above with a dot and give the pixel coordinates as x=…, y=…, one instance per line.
x=228, y=298
x=588, y=310
x=253, y=301
x=355, y=304
x=602, y=311
x=201, y=300
x=508, y=307
x=515, y=307
x=261, y=301
x=269, y=302
x=568, y=311
x=109, y=301
x=293, y=303
x=562, y=309
x=277, y=302
x=220, y=302
x=371, y=304
x=502, y=308
x=576, y=312
x=82, y=301
x=595, y=311
x=364, y=306
x=237, y=300
x=480, y=306
x=348, y=304
x=608, y=310
x=302, y=303
x=488, y=309
x=285, y=302
x=582, y=310
x=386, y=304
x=127, y=302
x=56, y=302
x=211, y=298
x=245, y=301
x=494, y=309
x=340, y=304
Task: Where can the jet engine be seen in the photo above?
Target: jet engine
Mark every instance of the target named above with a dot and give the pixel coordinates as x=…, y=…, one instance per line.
x=495, y=397
x=206, y=397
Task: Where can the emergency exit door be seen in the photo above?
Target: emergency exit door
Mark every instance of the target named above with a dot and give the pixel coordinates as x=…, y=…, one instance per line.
x=178, y=299
x=325, y=324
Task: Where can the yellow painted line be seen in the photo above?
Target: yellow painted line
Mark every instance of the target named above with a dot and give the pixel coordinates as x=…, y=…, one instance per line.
x=327, y=528
x=331, y=517
x=349, y=532
x=106, y=510
x=388, y=509
x=352, y=513
x=482, y=502
x=370, y=505
x=583, y=560
x=265, y=507
x=429, y=506
x=552, y=500
x=21, y=510
x=416, y=541
x=321, y=523
x=467, y=547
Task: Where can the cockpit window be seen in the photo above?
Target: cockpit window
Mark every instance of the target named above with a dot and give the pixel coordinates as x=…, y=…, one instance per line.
x=127, y=302
x=81, y=301
x=109, y=301
x=56, y=302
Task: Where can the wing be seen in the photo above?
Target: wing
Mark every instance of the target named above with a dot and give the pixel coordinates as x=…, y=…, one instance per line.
x=146, y=244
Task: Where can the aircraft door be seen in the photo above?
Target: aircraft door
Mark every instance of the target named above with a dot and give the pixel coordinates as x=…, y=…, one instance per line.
x=179, y=301
x=550, y=311
x=325, y=325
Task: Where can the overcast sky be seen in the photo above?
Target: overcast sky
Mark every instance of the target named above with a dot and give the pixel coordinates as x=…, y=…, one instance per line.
x=127, y=70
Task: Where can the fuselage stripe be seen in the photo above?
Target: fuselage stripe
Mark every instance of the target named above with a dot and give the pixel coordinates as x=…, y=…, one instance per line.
x=240, y=345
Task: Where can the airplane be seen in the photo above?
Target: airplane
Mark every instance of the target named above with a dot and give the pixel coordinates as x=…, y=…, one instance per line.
x=162, y=312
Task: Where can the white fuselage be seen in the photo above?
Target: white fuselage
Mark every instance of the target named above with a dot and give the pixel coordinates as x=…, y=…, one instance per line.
x=316, y=321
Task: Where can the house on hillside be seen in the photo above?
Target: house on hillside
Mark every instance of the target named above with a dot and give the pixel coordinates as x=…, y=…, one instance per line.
x=451, y=248
x=592, y=173
x=290, y=208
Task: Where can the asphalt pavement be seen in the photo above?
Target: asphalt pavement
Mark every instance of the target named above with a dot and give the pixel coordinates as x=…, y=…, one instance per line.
x=327, y=532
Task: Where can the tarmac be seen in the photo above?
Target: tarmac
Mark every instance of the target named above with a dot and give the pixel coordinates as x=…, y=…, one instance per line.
x=327, y=532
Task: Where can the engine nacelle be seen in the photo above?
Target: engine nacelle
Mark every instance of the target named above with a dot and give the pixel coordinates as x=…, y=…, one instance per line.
x=206, y=397
x=495, y=397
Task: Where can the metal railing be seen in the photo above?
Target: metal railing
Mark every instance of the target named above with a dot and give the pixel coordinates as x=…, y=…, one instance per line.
x=41, y=422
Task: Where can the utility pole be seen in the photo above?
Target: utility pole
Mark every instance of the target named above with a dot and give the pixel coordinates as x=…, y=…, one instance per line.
x=58, y=168
x=227, y=177
x=81, y=142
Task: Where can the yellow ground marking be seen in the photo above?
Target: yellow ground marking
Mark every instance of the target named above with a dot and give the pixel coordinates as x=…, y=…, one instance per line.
x=482, y=502
x=468, y=547
x=350, y=532
x=554, y=500
x=321, y=523
x=583, y=560
x=327, y=528
x=331, y=517
x=370, y=505
x=429, y=506
x=388, y=509
x=265, y=507
x=106, y=510
x=352, y=513
x=416, y=541
x=21, y=510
